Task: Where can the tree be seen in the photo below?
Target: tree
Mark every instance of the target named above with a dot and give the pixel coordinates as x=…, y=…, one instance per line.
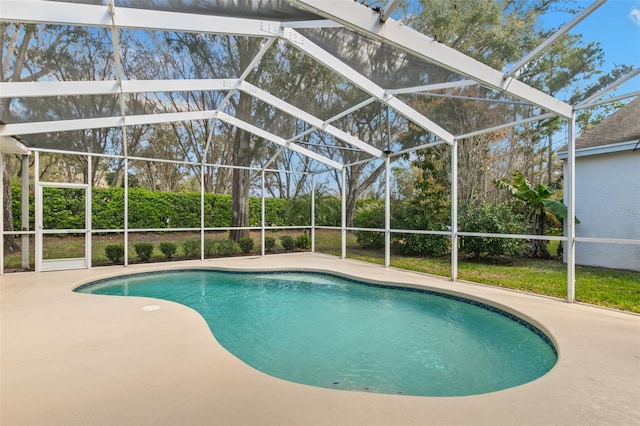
x=28, y=52
x=540, y=206
x=429, y=209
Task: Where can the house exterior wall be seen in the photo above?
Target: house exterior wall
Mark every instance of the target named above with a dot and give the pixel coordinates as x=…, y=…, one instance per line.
x=608, y=206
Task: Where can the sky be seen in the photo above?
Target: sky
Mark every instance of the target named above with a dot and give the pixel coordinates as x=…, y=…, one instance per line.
x=616, y=25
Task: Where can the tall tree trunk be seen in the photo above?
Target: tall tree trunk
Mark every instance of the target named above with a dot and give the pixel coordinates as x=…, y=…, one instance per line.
x=240, y=185
x=539, y=247
x=10, y=244
x=241, y=178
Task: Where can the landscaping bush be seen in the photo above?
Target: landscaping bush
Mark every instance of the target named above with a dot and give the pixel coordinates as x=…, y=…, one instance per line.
x=226, y=248
x=303, y=242
x=143, y=250
x=494, y=219
x=147, y=209
x=191, y=248
x=369, y=214
x=114, y=252
x=168, y=249
x=210, y=247
x=409, y=216
x=246, y=244
x=269, y=243
x=287, y=242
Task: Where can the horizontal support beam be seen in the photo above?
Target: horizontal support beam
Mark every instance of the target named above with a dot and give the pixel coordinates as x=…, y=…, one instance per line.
x=133, y=120
x=53, y=12
x=506, y=126
x=82, y=88
x=432, y=87
x=320, y=23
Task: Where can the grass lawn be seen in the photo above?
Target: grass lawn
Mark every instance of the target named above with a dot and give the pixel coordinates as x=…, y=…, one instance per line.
x=599, y=286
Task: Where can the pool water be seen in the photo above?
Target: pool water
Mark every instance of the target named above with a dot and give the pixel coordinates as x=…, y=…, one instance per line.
x=326, y=331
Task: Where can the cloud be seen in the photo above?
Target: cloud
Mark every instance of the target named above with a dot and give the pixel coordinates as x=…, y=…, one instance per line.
x=635, y=16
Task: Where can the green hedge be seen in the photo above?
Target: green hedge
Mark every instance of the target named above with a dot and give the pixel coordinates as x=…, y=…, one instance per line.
x=147, y=209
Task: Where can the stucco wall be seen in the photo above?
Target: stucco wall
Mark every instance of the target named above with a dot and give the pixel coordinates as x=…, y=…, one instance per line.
x=608, y=206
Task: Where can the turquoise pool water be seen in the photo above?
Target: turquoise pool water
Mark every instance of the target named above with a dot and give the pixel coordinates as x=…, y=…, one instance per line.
x=326, y=331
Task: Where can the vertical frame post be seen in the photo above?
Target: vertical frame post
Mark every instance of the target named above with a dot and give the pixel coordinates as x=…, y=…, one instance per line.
x=343, y=221
x=1, y=213
x=313, y=213
x=202, y=210
x=454, y=210
x=88, y=220
x=571, y=213
x=126, y=207
x=387, y=211
x=37, y=210
x=25, y=211
x=262, y=214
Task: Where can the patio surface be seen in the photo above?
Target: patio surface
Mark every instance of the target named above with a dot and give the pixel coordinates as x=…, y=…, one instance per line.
x=80, y=359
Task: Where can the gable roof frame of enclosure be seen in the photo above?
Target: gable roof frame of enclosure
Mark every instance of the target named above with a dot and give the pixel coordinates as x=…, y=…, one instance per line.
x=375, y=24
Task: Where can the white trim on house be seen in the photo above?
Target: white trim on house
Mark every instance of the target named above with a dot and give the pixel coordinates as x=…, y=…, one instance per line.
x=604, y=149
x=11, y=145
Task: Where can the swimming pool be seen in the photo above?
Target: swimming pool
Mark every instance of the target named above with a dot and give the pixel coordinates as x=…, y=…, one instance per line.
x=328, y=331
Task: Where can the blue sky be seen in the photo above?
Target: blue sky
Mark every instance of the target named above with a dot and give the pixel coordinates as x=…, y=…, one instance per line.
x=616, y=25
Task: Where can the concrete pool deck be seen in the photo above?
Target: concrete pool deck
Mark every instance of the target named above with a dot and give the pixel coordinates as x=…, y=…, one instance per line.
x=79, y=359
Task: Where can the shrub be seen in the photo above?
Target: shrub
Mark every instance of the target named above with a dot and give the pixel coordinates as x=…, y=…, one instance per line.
x=287, y=242
x=421, y=244
x=370, y=215
x=191, y=248
x=409, y=216
x=168, y=248
x=226, y=248
x=143, y=250
x=114, y=252
x=492, y=219
x=269, y=243
x=246, y=244
x=210, y=247
x=303, y=242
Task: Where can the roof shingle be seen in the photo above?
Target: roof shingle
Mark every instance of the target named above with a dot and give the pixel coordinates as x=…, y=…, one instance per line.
x=622, y=126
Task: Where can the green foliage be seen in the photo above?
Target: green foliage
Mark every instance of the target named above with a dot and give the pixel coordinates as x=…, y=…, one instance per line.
x=212, y=247
x=107, y=208
x=287, y=242
x=64, y=209
x=246, y=245
x=369, y=214
x=209, y=247
x=168, y=248
x=226, y=248
x=495, y=219
x=409, y=215
x=274, y=211
x=191, y=248
x=114, y=252
x=143, y=250
x=269, y=243
x=328, y=210
x=303, y=242
x=541, y=208
x=297, y=211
